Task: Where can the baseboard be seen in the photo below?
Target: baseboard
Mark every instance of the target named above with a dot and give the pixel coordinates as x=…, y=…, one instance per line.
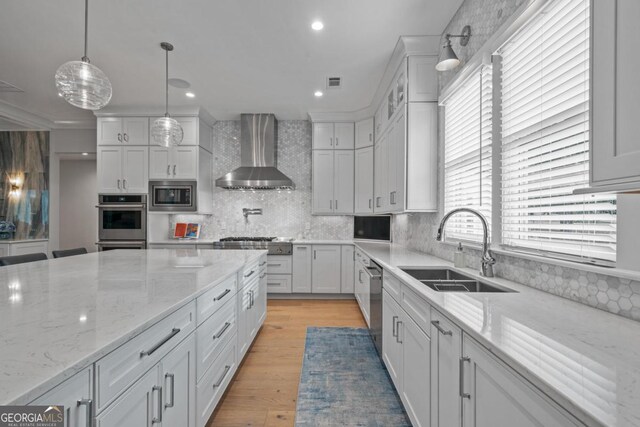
x=312, y=296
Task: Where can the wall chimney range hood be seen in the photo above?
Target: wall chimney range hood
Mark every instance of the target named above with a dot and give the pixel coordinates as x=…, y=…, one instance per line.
x=258, y=158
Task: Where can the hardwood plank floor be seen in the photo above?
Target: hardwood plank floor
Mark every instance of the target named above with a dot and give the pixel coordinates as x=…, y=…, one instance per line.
x=265, y=388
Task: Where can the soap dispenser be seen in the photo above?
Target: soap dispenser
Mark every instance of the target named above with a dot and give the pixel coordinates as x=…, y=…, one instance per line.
x=458, y=257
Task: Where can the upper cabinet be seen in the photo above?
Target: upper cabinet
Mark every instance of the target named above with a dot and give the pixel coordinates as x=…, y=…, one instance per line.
x=123, y=170
x=424, y=78
x=364, y=133
x=333, y=182
x=615, y=95
x=364, y=181
x=189, y=129
x=123, y=131
x=336, y=136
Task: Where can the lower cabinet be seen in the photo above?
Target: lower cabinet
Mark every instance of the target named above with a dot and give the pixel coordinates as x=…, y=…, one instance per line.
x=252, y=309
x=301, y=278
x=325, y=271
x=76, y=395
x=361, y=290
x=346, y=269
x=211, y=388
x=322, y=269
x=23, y=247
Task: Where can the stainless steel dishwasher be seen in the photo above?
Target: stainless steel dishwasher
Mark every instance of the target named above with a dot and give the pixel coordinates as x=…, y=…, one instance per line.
x=375, y=297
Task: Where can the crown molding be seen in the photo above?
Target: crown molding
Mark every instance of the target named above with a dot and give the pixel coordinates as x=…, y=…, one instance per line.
x=115, y=111
x=24, y=118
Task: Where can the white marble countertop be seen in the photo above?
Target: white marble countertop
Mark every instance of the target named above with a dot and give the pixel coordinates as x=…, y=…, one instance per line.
x=585, y=359
x=182, y=242
x=59, y=316
x=321, y=242
x=14, y=241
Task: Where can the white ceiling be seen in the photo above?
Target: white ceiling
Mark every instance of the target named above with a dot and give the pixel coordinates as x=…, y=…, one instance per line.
x=239, y=55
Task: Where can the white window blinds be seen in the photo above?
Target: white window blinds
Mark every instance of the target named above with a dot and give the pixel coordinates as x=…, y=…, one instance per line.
x=545, y=139
x=467, y=155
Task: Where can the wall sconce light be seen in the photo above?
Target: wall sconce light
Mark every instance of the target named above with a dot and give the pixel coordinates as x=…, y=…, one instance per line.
x=14, y=189
x=448, y=59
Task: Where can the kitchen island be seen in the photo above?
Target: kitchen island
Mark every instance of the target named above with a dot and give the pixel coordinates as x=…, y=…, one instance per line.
x=65, y=316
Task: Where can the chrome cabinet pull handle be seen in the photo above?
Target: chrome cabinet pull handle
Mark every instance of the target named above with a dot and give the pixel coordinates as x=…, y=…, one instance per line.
x=337, y=141
x=462, y=393
x=263, y=263
x=275, y=265
x=174, y=170
x=369, y=203
x=263, y=275
x=314, y=254
x=253, y=299
x=378, y=201
x=330, y=204
x=336, y=205
x=440, y=329
x=168, y=170
x=126, y=138
x=331, y=141
x=222, y=295
x=360, y=278
x=88, y=412
x=393, y=331
x=249, y=274
x=227, y=368
x=398, y=332
x=172, y=377
x=124, y=184
x=118, y=184
x=222, y=331
x=158, y=419
x=173, y=333
x=370, y=137
x=119, y=137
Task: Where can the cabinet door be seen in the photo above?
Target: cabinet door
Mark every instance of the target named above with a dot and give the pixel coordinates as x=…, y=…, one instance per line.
x=137, y=407
x=347, y=267
x=363, y=187
x=397, y=156
x=391, y=345
x=109, y=169
x=260, y=301
x=301, y=269
x=499, y=398
x=325, y=270
x=343, y=177
x=446, y=351
x=322, y=181
x=135, y=130
x=159, y=162
x=75, y=394
x=254, y=311
x=110, y=131
x=423, y=78
x=344, y=135
x=189, y=129
x=322, y=135
x=179, y=385
x=135, y=169
x=244, y=321
x=184, y=162
x=364, y=133
x=381, y=174
x=416, y=372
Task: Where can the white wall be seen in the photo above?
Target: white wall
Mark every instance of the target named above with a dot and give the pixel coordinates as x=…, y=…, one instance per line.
x=64, y=141
x=78, y=198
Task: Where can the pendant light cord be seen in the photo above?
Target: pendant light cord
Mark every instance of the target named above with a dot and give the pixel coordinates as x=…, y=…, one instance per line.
x=85, y=58
x=166, y=83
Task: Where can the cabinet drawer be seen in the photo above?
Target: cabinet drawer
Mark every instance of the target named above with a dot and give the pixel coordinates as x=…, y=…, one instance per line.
x=417, y=308
x=123, y=366
x=279, y=264
x=213, y=334
x=392, y=285
x=78, y=388
x=211, y=388
x=279, y=284
x=209, y=302
x=251, y=271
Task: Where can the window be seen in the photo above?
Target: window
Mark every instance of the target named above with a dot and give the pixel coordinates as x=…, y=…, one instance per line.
x=467, y=155
x=545, y=139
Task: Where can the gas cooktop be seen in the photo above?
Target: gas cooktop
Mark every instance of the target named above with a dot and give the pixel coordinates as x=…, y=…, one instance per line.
x=247, y=239
x=274, y=245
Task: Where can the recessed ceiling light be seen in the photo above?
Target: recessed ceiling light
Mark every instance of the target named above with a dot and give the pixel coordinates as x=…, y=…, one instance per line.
x=85, y=154
x=317, y=25
x=318, y=93
x=190, y=95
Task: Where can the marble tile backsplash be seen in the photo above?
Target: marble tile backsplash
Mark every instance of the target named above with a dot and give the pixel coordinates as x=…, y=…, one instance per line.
x=285, y=213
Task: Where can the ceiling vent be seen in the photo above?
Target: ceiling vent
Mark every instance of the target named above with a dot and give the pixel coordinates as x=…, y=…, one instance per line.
x=334, y=82
x=8, y=87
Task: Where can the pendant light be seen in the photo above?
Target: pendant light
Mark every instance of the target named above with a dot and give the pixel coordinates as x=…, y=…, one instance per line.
x=448, y=59
x=80, y=83
x=165, y=130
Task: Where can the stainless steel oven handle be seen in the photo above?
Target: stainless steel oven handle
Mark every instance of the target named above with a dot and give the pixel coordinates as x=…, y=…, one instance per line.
x=121, y=206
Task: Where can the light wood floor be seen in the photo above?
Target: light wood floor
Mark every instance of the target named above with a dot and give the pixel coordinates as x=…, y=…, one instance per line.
x=265, y=388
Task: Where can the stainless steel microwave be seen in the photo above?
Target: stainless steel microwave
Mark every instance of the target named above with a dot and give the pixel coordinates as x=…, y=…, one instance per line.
x=173, y=196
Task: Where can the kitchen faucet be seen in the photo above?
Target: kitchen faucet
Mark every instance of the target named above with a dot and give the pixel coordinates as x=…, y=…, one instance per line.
x=255, y=211
x=488, y=260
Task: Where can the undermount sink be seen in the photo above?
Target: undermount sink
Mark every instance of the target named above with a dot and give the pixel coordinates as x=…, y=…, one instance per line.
x=445, y=280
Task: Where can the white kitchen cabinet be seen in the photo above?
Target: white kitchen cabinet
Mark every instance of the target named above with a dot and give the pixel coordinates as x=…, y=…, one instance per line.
x=190, y=129
x=396, y=168
x=325, y=271
x=424, y=78
x=347, y=269
x=244, y=320
x=23, y=247
x=381, y=174
x=178, y=382
x=338, y=136
x=123, y=169
x=615, y=94
x=391, y=344
x=123, y=131
x=279, y=284
x=140, y=405
x=364, y=133
x=363, y=188
x=416, y=372
x=302, y=258
x=446, y=351
x=333, y=182
x=210, y=389
x=76, y=395
x=494, y=396
x=179, y=162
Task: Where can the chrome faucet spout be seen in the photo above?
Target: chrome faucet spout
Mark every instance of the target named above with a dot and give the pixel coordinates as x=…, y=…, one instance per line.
x=488, y=260
x=246, y=212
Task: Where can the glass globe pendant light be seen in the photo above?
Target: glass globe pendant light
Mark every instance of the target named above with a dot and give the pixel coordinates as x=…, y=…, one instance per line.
x=165, y=130
x=82, y=84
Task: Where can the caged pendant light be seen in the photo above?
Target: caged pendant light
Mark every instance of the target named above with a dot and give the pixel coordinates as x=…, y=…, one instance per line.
x=165, y=130
x=80, y=83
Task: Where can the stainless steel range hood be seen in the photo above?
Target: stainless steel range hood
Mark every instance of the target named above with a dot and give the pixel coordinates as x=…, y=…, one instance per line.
x=258, y=146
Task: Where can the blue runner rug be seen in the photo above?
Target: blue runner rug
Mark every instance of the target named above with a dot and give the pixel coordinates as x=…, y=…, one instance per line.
x=344, y=383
